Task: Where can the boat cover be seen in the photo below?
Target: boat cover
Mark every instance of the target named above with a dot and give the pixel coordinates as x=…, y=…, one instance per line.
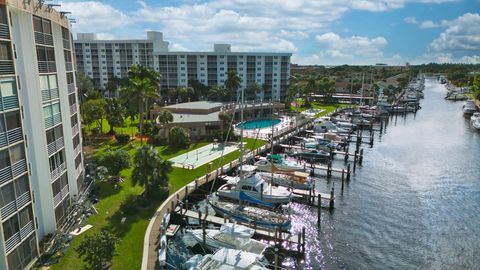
x=237, y=230
x=247, y=198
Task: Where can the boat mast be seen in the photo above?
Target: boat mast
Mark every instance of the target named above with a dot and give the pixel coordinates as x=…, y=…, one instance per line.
x=271, y=142
x=241, y=133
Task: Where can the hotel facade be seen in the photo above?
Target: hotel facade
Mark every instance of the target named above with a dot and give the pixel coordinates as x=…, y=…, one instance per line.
x=105, y=59
x=41, y=160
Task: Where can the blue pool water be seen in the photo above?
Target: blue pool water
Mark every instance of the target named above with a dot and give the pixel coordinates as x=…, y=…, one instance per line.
x=259, y=123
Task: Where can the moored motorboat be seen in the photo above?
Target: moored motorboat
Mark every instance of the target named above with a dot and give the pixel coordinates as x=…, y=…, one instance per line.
x=278, y=163
x=253, y=185
x=469, y=107
x=298, y=180
x=229, y=235
x=232, y=259
x=251, y=215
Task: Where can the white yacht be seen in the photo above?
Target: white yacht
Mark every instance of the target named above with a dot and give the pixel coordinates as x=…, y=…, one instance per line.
x=469, y=107
x=298, y=180
x=253, y=185
x=279, y=164
x=474, y=117
x=232, y=259
x=327, y=126
x=230, y=235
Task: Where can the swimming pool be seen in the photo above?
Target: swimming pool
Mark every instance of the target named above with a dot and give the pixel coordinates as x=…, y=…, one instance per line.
x=259, y=123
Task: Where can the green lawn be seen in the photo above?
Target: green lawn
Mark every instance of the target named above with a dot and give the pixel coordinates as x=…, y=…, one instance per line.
x=132, y=232
x=128, y=127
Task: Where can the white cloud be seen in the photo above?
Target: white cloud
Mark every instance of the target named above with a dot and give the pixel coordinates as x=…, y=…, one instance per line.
x=94, y=16
x=428, y=24
x=474, y=59
x=462, y=34
x=411, y=20
x=351, y=47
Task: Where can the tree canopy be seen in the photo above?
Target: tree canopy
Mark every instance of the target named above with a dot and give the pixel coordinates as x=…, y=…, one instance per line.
x=97, y=250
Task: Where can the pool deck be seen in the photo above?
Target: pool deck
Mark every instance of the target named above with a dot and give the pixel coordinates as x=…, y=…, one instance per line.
x=285, y=124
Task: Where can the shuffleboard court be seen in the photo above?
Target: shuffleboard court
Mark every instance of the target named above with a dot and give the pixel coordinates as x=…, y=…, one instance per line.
x=203, y=155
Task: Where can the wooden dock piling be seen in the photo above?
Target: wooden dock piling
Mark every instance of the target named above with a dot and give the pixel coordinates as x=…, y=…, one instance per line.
x=319, y=213
x=348, y=172
x=331, y=198
x=343, y=179
x=303, y=240
x=360, y=160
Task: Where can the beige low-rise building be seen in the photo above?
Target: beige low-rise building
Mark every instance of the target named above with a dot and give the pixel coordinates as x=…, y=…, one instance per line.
x=201, y=119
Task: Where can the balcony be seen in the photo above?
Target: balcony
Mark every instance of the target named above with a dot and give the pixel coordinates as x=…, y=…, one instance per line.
x=77, y=150
x=4, y=31
x=8, y=209
x=71, y=88
x=43, y=38
x=58, y=198
x=75, y=130
x=23, y=200
x=47, y=67
x=12, y=242
x=73, y=109
x=6, y=67
x=58, y=171
x=53, y=120
x=66, y=44
x=5, y=174
x=79, y=169
x=55, y=146
x=19, y=168
x=69, y=66
x=26, y=230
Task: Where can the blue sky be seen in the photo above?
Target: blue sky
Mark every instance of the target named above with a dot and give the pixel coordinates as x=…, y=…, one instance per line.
x=315, y=31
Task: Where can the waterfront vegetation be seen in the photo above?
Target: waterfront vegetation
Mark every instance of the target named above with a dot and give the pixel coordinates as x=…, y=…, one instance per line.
x=131, y=233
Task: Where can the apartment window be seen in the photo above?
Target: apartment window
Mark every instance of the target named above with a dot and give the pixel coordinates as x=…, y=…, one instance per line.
x=17, y=153
x=202, y=68
x=5, y=51
x=3, y=15
x=56, y=160
x=59, y=184
x=182, y=63
x=10, y=227
x=222, y=63
x=259, y=74
x=222, y=68
x=7, y=195
x=12, y=120
x=45, y=53
x=54, y=134
x=74, y=120
x=21, y=185
x=221, y=56
x=240, y=69
x=42, y=25
x=76, y=141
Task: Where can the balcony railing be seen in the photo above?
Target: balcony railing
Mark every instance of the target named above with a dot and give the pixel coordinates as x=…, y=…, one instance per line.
x=75, y=130
x=79, y=169
x=43, y=38
x=6, y=67
x=49, y=94
x=77, y=150
x=71, y=88
x=57, y=172
x=5, y=174
x=8, y=209
x=19, y=168
x=58, y=198
x=55, y=146
x=26, y=230
x=23, y=200
x=53, y=120
x=12, y=242
x=14, y=135
x=9, y=102
x=4, y=31
x=47, y=67
x=73, y=109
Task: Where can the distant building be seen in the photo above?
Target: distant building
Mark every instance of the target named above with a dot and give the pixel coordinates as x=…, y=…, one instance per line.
x=41, y=160
x=104, y=59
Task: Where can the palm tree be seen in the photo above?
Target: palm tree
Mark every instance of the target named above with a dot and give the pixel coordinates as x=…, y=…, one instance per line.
x=139, y=92
x=217, y=93
x=232, y=83
x=150, y=170
x=311, y=87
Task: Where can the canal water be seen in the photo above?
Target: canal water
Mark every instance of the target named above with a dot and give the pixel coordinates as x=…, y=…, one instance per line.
x=415, y=202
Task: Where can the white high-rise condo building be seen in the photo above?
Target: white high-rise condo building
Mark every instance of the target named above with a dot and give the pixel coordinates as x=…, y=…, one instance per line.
x=105, y=59
x=41, y=164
